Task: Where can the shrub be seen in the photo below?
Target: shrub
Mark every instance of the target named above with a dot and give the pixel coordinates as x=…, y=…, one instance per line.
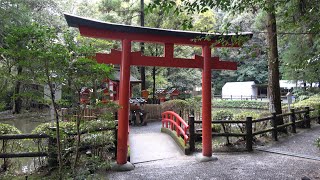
x=223, y=115
x=97, y=143
x=2, y=106
x=216, y=127
x=317, y=143
x=194, y=104
x=10, y=146
x=313, y=101
x=244, y=115
x=240, y=104
x=8, y=129
x=175, y=105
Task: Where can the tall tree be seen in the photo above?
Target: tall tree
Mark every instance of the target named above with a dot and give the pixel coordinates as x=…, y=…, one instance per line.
x=239, y=6
x=273, y=61
x=300, y=50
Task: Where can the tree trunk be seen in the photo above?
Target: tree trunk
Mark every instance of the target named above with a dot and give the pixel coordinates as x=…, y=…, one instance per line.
x=78, y=120
x=55, y=107
x=94, y=91
x=17, y=101
x=142, y=69
x=154, y=85
x=273, y=64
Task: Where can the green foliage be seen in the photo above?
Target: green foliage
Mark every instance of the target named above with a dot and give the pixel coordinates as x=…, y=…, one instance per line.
x=312, y=102
x=92, y=140
x=243, y=115
x=246, y=104
x=216, y=127
x=317, y=142
x=107, y=107
x=8, y=129
x=49, y=129
x=194, y=101
x=302, y=94
x=67, y=128
x=179, y=140
x=2, y=106
x=10, y=146
x=223, y=115
x=176, y=105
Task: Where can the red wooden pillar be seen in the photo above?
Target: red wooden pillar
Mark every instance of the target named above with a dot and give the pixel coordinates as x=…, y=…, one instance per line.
x=206, y=102
x=123, y=124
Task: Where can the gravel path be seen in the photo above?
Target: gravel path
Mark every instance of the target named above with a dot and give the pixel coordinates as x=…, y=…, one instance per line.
x=300, y=145
x=260, y=164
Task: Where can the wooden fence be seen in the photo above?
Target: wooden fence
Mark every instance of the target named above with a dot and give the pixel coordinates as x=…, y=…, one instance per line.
x=244, y=97
x=304, y=120
x=51, y=145
x=154, y=111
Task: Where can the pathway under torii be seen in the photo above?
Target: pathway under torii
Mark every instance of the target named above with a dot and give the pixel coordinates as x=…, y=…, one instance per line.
x=125, y=58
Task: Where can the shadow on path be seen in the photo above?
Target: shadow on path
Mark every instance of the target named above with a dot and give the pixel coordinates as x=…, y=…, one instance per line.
x=147, y=144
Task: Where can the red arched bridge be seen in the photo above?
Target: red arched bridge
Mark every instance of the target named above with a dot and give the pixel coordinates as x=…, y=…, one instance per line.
x=174, y=122
x=147, y=143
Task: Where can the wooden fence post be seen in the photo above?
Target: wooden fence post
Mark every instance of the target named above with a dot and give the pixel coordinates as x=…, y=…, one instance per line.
x=274, y=125
x=307, y=117
x=293, y=120
x=191, y=133
x=52, y=152
x=4, y=148
x=116, y=141
x=192, y=112
x=249, y=136
x=319, y=114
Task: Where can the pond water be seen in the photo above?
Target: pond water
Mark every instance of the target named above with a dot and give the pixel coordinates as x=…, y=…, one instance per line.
x=25, y=123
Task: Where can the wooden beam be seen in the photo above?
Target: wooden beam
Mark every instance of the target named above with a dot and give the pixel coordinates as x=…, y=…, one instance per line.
x=23, y=154
x=23, y=136
x=139, y=37
x=137, y=59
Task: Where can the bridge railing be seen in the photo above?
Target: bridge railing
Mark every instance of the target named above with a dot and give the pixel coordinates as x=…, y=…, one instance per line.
x=174, y=122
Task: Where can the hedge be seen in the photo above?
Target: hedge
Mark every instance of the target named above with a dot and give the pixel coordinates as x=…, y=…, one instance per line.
x=246, y=104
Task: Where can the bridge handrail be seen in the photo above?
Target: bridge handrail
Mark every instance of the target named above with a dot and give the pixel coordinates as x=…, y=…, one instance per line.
x=175, y=121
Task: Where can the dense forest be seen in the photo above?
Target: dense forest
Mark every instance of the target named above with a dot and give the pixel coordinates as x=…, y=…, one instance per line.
x=34, y=34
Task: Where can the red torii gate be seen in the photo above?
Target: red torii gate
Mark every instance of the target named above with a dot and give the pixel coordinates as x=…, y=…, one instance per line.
x=126, y=58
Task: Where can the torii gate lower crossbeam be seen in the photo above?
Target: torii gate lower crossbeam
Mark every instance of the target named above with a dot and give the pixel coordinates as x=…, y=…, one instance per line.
x=126, y=34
